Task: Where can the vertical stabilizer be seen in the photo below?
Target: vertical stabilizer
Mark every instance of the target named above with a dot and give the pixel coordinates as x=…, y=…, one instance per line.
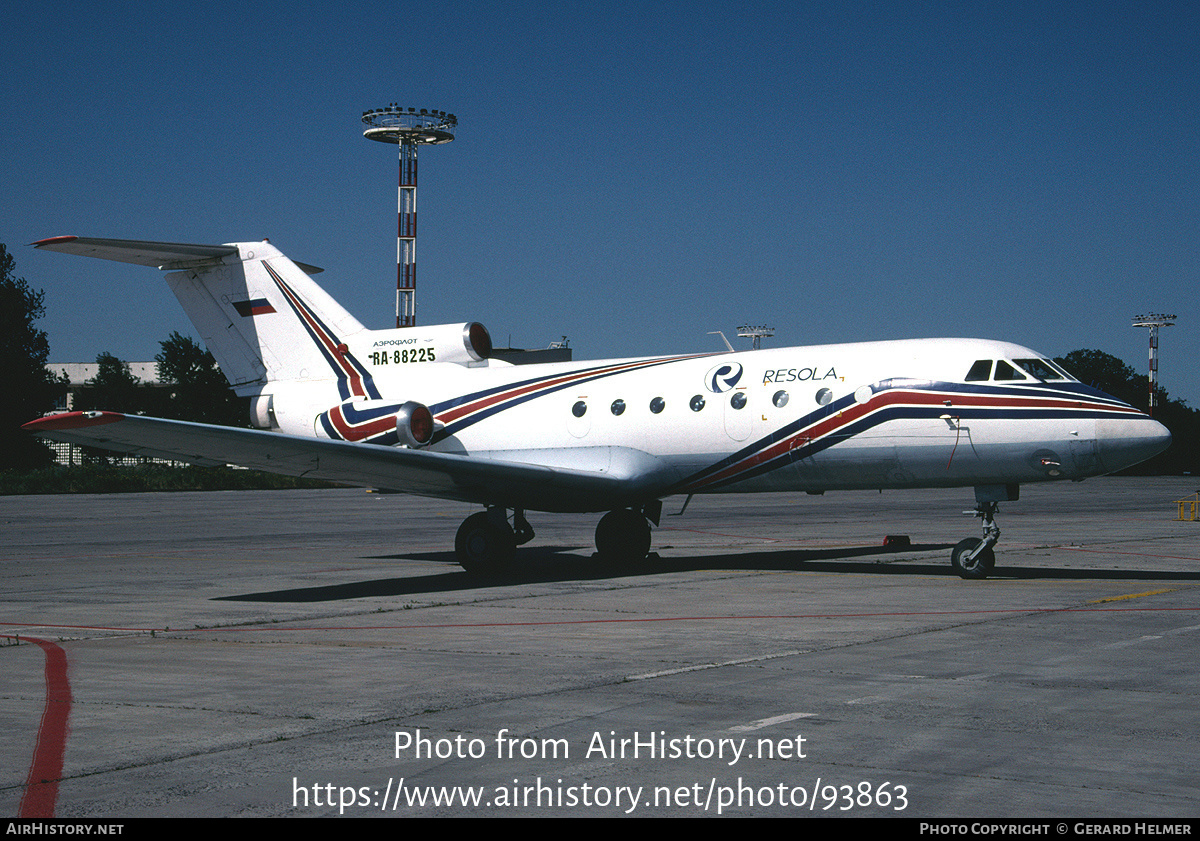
x=261, y=315
x=265, y=320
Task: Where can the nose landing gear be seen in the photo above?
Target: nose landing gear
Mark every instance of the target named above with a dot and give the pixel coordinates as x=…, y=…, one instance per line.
x=973, y=557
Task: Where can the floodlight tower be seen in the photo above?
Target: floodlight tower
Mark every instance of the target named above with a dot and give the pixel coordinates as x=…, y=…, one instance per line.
x=756, y=333
x=1153, y=320
x=408, y=129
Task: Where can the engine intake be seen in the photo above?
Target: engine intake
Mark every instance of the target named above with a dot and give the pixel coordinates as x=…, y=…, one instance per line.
x=414, y=424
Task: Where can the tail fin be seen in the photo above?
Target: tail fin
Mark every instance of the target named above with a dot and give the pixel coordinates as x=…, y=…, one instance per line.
x=265, y=320
x=258, y=312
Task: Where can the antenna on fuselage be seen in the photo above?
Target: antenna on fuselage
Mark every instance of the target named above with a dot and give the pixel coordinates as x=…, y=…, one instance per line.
x=722, y=335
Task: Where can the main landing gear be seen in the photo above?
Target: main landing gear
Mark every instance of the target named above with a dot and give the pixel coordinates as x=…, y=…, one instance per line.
x=974, y=557
x=623, y=536
x=487, y=541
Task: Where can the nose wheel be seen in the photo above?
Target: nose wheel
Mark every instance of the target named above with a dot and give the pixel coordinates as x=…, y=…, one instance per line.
x=973, y=557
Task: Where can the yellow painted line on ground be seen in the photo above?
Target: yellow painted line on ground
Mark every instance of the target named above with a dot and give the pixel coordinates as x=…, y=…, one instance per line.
x=1133, y=596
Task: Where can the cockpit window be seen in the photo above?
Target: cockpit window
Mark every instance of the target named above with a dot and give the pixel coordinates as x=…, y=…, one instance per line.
x=1043, y=369
x=1005, y=371
x=981, y=371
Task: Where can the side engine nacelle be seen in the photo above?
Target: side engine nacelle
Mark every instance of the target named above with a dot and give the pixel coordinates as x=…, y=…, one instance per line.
x=414, y=424
x=410, y=424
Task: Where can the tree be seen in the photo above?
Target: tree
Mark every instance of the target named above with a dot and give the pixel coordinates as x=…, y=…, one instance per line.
x=1112, y=376
x=1107, y=373
x=199, y=391
x=114, y=389
x=28, y=390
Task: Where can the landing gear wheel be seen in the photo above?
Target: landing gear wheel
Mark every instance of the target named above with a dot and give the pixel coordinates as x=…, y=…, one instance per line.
x=623, y=536
x=484, y=547
x=977, y=567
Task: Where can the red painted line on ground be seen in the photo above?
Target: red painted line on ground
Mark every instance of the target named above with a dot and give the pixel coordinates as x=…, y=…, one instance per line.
x=41, y=785
x=68, y=627
x=1019, y=610
x=625, y=620
x=634, y=620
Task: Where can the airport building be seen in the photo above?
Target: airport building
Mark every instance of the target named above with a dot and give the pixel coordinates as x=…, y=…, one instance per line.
x=77, y=375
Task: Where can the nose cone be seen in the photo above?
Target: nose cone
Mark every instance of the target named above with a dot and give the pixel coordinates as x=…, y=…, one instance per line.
x=1129, y=441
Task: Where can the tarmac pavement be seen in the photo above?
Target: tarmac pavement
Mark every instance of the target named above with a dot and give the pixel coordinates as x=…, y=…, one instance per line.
x=320, y=653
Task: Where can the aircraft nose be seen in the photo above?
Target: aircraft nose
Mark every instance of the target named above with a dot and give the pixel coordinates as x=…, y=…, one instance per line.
x=1129, y=441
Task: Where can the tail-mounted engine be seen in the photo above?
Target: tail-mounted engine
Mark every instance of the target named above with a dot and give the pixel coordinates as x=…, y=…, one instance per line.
x=414, y=424
x=461, y=343
x=379, y=422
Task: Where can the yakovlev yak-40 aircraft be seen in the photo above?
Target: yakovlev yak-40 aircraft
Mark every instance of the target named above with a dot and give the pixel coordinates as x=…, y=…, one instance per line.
x=424, y=410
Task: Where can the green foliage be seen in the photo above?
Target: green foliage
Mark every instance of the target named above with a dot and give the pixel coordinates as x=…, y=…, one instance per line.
x=114, y=389
x=28, y=389
x=199, y=391
x=1107, y=373
x=1112, y=376
x=102, y=478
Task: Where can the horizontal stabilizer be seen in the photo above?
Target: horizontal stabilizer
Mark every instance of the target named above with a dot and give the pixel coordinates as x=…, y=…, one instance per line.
x=159, y=255
x=445, y=475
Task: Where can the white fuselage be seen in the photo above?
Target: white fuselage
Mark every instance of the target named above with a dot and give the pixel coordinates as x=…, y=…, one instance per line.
x=871, y=415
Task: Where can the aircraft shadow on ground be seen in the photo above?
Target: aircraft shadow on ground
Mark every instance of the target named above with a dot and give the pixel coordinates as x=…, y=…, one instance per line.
x=545, y=564
x=548, y=564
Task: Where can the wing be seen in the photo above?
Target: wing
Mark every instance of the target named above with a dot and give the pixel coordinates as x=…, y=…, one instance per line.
x=617, y=480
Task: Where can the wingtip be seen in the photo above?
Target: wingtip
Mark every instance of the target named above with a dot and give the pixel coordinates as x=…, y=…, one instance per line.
x=53, y=241
x=71, y=420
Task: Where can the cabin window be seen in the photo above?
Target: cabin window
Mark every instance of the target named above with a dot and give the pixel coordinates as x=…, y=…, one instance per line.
x=780, y=399
x=738, y=401
x=696, y=403
x=824, y=397
x=981, y=371
x=618, y=407
x=579, y=409
x=657, y=405
x=1005, y=371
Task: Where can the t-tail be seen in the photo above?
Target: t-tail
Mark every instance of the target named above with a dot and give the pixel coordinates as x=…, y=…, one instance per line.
x=272, y=328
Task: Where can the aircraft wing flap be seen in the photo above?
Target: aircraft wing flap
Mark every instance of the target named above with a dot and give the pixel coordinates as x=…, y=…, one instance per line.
x=487, y=481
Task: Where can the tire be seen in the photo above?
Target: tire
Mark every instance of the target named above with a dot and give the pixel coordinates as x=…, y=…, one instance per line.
x=623, y=536
x=482, y=547
x=979, y=567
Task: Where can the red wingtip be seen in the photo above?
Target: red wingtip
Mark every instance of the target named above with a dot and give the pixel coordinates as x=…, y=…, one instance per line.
x=53, y=239
x=71, y=420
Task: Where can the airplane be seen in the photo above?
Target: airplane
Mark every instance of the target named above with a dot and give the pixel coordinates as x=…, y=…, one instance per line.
x=430, y=411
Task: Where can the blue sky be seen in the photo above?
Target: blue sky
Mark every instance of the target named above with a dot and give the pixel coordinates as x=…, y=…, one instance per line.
x=631, y=175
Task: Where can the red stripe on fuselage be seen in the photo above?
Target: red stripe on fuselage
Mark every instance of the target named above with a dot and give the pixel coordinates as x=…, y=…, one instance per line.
x=330, y=342
x=482, y=403
x=357, y=432
x=851, y=414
